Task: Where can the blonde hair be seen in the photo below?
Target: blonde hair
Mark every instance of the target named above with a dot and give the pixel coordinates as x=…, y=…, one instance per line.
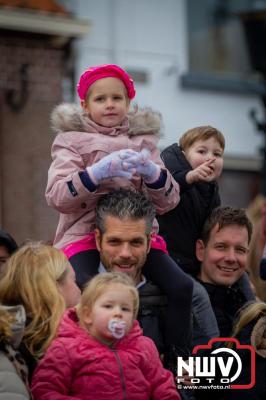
x=247, y=314
x=99, y=283
x=200, y=133
x=257, y=243
x=30, y=278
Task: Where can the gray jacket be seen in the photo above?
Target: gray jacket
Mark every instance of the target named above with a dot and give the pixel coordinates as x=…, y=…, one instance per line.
x=12, y=386
x=13, y=370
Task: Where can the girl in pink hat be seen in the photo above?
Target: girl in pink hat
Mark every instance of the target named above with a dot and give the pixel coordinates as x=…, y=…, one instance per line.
x=101, y=146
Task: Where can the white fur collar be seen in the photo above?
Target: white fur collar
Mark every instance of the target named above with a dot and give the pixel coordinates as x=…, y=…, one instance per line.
x=70, y=117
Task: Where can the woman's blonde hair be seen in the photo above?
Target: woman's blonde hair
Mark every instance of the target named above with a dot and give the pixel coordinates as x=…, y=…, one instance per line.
x=256, y=246
x=98, y=285
x=30, y=278
x=247, y=314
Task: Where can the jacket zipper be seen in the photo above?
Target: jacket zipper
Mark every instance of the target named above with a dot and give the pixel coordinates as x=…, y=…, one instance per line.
x=121, y=374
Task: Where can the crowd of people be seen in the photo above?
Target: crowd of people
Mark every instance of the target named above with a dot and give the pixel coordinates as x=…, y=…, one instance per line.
x=146, y=263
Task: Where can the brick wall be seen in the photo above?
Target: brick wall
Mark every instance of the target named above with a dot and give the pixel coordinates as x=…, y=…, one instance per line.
x=25, y=136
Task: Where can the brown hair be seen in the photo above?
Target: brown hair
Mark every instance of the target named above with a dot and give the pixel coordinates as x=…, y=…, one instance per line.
x=225, y=216
x=200, y=133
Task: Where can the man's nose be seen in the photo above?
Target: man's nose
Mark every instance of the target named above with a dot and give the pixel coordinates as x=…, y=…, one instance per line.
x=230, y=255
x=125, y=251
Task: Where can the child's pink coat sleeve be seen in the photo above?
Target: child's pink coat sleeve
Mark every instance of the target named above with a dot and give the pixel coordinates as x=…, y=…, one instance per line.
x=66, y=165
x=53, y=375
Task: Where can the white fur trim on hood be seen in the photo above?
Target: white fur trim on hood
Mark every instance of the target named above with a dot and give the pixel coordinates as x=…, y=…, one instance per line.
x=70, y=117
x=18, y=324
x=258, y=337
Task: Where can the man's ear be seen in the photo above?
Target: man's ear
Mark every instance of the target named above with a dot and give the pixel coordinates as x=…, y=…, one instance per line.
x=200, y=249
x=98, y=238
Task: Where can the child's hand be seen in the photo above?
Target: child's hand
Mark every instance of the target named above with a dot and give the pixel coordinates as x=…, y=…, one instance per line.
x=144, y=166
x=113, y=165
x=202, y=173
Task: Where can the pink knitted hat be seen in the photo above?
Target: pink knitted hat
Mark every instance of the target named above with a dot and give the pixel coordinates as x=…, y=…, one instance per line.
x=92, y=74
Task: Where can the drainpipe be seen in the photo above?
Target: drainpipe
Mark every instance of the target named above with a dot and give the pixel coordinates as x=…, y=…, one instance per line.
x=114, y=32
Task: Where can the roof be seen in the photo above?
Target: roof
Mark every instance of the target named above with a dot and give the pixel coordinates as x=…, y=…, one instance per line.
x=41, y=16
x=50, y=6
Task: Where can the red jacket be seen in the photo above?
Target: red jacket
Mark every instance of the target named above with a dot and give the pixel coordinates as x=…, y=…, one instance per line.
x=77, y=366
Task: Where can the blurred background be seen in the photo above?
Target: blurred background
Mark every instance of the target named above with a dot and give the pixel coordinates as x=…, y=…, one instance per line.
x=197, y=62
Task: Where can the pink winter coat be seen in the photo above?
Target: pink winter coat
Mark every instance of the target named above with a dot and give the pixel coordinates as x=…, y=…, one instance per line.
x=77, y=366
x=80, y=143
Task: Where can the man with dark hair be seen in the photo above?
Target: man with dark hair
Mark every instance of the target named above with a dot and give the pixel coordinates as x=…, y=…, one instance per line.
x=123, y=234
x=7, y=246
x=226, y=216
x=222, y=251
x=123, y=231
x=124, y=223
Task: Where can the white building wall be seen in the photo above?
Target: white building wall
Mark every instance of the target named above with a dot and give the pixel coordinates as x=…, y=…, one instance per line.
x=151, y=36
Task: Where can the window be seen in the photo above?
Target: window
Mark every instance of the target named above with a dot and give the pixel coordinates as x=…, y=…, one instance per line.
x=219, y=51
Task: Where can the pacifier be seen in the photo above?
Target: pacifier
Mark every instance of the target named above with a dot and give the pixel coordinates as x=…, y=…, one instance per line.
x=117, y=328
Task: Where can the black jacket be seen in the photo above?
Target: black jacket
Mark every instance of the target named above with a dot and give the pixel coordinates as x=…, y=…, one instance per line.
x=226, y=302
x=181, y=227
x=151, y=313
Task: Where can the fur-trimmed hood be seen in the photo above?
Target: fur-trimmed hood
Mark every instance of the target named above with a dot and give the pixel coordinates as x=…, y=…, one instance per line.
x=70, y=117
x=12, y=323
x=258, y=337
